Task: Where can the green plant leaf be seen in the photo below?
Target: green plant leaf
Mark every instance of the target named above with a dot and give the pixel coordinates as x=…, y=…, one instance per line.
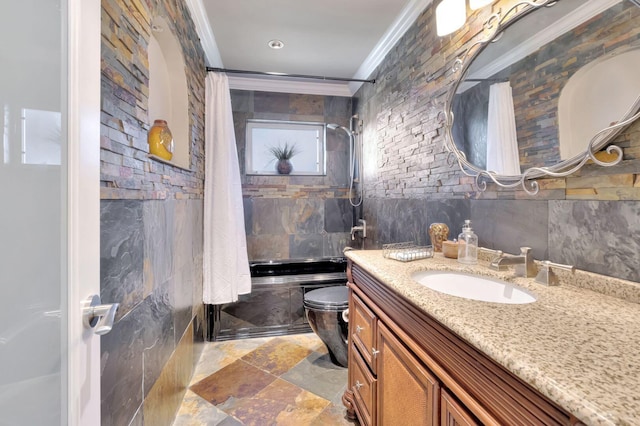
x=285, y=152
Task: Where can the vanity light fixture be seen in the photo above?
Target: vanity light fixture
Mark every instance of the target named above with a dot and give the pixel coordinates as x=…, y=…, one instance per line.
x=275, y=44
x=450, y=16
x=479, y=4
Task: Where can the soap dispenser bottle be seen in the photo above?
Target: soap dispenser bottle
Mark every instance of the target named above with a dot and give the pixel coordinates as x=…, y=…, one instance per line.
x=467, y=245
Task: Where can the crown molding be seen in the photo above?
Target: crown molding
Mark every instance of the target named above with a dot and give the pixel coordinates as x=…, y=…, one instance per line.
x=398, y=28
x=288, y=86
x=582, y=14
x=203, y=28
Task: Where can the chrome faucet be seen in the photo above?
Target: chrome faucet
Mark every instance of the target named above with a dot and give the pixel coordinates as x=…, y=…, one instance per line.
x=546, y=275
x=362, y=228
x=524, y=264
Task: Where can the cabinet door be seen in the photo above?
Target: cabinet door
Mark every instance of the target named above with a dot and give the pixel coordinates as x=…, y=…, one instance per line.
x=453, y=413
x=408, y=394
x=362, y=323
x=363, y=385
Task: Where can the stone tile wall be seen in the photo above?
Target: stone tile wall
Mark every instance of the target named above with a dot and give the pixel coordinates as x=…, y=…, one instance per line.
x=151, y=223
x=293, y=217
x=588, y=219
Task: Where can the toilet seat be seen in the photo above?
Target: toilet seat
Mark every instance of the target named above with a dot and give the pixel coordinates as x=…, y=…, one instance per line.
x=335, y=298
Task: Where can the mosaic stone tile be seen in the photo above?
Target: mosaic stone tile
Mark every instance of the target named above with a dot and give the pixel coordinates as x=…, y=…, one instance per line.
x=241, y=100
x=306, y=246
x=337, y=108
x=196, y=411
x=337, y=168
x=268, y=247
x=280, y=403
x=237, y=380
x=511, y=224
x=267, y=308
x=308, y=340
x=122, y=373
x=122, y=253
x=334, y=415
x=318, y=375
x=271, y=102
x=218, y=355
x=338, y=215
x=277, y=356
x=158, y=218
x=597, y=236
x=334, y=244
x=306, y=104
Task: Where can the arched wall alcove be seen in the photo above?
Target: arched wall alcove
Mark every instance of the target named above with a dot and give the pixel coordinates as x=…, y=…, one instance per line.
x=168, y=91
x=595, y=97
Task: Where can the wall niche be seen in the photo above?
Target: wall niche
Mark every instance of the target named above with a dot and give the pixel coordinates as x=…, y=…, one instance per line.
x=168, y=92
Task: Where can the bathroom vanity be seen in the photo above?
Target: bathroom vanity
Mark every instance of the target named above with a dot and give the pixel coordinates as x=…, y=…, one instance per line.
x=419, y=356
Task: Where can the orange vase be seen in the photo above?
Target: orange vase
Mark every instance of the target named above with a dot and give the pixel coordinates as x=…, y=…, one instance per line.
x=160, y=140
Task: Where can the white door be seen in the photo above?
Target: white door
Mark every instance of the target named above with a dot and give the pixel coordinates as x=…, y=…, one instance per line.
x=49, y=210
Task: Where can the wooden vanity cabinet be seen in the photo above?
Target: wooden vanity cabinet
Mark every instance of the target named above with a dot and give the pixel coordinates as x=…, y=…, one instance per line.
x=405, y=368
x=453, y=413
x=407, y=392
x=362, y=329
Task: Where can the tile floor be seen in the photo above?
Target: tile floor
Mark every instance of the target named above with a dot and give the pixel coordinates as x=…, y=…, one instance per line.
x=287, y=380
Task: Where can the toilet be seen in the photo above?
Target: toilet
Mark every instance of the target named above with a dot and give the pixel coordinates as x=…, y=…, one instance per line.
x=324, y=308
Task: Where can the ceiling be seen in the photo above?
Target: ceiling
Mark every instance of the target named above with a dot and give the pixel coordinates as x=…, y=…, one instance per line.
x=332, y=38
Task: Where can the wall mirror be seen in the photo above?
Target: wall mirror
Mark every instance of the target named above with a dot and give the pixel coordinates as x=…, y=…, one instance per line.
x=547, y=86
x=267, y=139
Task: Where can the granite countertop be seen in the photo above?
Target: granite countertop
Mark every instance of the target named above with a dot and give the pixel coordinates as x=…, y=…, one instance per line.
x=577, y=346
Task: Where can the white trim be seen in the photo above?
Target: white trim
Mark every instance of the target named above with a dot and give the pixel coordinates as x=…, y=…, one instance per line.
x=288, y=86
x=83, y=207
x=398, y=28
x=203, y=28
x=580, y=15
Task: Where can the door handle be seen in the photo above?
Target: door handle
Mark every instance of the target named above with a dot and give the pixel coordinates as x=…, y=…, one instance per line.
x=97, y=316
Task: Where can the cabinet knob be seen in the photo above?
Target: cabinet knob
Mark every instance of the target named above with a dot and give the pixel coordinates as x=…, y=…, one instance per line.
x=358, y=385
x=374, y=352
x=359, y=329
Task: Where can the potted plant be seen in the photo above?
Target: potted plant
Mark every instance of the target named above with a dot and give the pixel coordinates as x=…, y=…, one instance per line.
x=283, y=154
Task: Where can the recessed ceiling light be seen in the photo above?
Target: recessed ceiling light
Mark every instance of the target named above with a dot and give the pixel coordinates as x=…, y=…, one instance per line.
x=275, y=44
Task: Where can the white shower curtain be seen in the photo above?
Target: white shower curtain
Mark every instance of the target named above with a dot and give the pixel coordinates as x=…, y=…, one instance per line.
x=502, y=142
x=226, y=263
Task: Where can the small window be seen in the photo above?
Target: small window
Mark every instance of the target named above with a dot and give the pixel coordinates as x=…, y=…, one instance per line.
x=265, y=136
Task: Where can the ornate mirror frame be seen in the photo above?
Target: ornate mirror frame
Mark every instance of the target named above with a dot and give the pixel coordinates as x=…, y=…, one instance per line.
x=492, y=32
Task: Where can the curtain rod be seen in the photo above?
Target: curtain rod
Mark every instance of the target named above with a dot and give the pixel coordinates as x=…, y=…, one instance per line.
x=277, y=74
x=478, y=80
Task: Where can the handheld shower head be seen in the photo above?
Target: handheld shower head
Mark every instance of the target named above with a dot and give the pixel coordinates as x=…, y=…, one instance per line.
x=353, y=153
x=334, y=126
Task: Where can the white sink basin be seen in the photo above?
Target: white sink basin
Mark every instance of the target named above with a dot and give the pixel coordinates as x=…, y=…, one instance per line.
x=473, y=287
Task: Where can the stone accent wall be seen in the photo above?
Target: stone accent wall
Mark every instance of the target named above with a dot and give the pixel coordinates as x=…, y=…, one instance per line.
x=151, y=223
x=581, y=219
x=293, y=217
x=126, y=171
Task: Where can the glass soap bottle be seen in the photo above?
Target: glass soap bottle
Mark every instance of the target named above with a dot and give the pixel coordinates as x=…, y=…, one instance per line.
x=467, y=245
